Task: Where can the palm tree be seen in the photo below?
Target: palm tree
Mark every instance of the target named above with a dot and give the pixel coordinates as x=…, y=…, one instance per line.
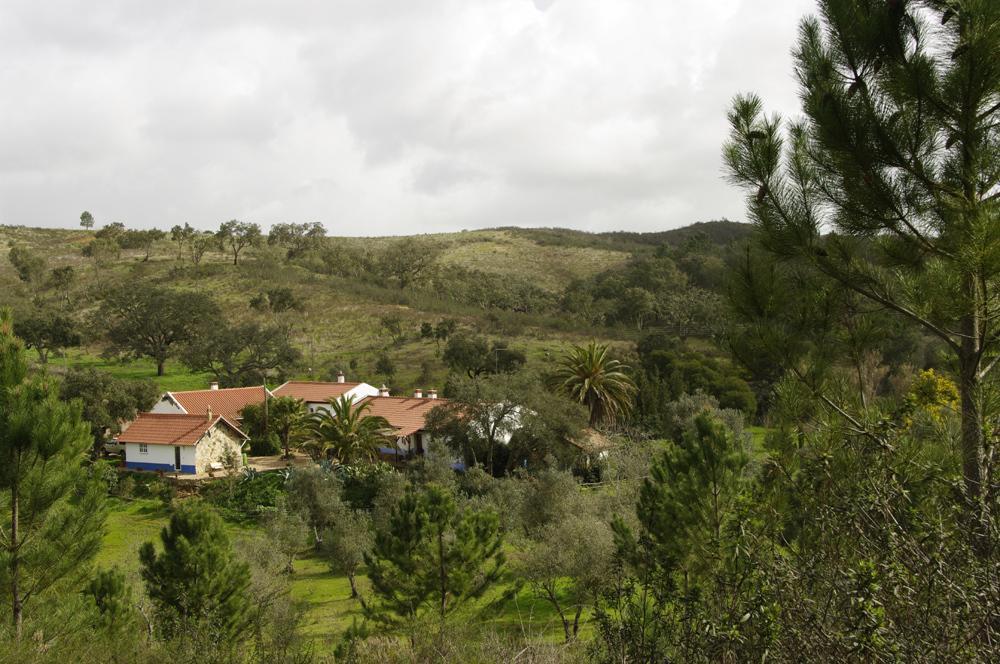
x=587, y=375
x=346, y=432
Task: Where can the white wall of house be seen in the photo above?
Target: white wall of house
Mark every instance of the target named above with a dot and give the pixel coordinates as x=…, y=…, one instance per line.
x=211, y=448
x=166, y=405
x=358, y=392
x=162, y=456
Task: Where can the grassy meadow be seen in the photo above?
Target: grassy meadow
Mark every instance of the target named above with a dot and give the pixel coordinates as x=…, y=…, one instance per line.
x=324, y=596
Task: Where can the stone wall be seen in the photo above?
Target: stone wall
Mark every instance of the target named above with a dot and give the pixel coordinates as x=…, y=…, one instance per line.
x=212, y=447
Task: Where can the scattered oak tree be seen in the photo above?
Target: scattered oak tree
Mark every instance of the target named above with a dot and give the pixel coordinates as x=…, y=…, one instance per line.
x=240, y=354
x=474, y=357
x=238, y=235
x=108, y=402
x=297, y=238
x=148, y=321
x=47, y=332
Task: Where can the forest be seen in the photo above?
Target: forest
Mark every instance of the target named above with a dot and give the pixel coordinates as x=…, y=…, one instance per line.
x=728, y=442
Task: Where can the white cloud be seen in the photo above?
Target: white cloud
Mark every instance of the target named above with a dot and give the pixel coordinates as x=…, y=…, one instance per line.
x=379, y=117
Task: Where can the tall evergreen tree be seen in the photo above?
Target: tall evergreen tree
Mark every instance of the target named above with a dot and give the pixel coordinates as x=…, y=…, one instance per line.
x=433, y=557
x=888, y=188
x=197, y=577
x=54, y=513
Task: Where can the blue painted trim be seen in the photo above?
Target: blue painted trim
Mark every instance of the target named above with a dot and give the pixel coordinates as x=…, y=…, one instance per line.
x=165, y=467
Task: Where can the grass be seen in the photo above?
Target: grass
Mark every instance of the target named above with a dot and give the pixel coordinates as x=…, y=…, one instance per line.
x=176, y=375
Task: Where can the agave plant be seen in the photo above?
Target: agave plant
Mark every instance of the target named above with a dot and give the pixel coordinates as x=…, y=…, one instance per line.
x=345, y=432
x=589, y=376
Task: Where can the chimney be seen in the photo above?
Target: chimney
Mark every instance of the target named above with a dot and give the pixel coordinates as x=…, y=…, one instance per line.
x=383, y=391
x=432, y=393
x=340, y=376
x=208, y=414
x=418, y=393
x=214, y=385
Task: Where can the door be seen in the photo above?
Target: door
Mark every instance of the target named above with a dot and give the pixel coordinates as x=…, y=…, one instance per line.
x=177, y=458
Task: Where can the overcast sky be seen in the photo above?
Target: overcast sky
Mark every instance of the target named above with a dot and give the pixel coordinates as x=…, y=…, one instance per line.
x=381, y=117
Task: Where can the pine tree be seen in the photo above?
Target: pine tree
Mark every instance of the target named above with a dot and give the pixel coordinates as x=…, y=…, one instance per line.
x=112, y=596
x=197, y=577
x=433, y=557
x=55, y=514
x=888, y=187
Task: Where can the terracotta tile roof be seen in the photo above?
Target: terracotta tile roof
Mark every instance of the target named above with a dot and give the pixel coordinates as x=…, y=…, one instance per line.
x=313, y=392
x=171, y=429
x=406, y=414
x=226, y=402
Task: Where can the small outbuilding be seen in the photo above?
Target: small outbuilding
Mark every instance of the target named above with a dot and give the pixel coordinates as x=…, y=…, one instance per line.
x=182, y=443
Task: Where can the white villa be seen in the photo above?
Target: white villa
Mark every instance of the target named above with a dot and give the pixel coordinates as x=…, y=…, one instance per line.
x=194, y=431
x=317, y=394
x=182, y=443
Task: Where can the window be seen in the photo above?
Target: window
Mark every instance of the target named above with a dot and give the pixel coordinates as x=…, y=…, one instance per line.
x=143, y=448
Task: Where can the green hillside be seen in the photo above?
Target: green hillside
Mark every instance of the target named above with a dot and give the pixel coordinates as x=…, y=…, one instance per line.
x=504, y=284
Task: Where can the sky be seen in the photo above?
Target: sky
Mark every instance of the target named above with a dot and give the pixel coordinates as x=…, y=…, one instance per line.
x=382, y=117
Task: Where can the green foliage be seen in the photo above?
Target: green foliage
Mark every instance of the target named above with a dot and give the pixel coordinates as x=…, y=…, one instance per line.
x=54, y=512
x=282, y=418
x=277, y=300
x=30, y=266
x=590, y=376
x=148, y=321
x=879, y=207
x=407, y=260
x=236, y=236
x=568, y=564
x=668, y=370
x=61, y=278
x=474, y=356
x=297, y=238
x=385, y=367
x=140, y=239
x=107, y=401
x=47, y=332
x=433, y=558
x=112, y=597
x=345, y=432
x=253, y=496
x=345, y=544
x=197, y=577
x=505, y=420
x=86, y=220
x=682, y=549
x=240, y=354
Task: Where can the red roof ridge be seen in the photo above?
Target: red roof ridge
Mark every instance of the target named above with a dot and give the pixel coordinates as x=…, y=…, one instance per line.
x=318, y=382
x=221, y=389
x=396, y=396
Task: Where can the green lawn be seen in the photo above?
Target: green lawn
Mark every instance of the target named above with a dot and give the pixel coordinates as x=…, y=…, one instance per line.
x=177, y=376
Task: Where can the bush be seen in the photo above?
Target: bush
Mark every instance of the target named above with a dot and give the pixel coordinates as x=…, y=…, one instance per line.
x=253, y=495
